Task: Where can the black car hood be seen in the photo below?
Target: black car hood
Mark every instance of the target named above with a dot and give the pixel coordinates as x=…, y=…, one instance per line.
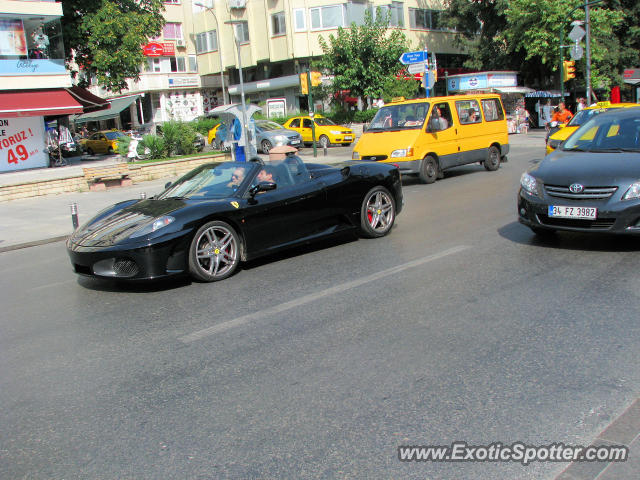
x=588, y=168
x=119, y=224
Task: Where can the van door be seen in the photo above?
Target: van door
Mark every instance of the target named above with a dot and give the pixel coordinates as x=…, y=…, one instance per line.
x=442, y=135
x=470, y=138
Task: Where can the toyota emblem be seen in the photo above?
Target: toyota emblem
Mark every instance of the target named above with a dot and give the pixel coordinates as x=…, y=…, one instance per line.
x=576, y=188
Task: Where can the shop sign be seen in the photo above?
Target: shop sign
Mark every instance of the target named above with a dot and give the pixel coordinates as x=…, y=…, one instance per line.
x=183, y=82
x=276, y=107
x=502, y=80
x=22, y=143
x=157, y=49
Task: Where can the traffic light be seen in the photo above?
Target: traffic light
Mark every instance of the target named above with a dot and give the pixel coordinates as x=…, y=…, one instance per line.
x=568, y=70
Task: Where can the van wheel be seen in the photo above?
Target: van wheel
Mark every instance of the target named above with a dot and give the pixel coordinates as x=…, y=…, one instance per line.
x=428, y=170
x=492, y=162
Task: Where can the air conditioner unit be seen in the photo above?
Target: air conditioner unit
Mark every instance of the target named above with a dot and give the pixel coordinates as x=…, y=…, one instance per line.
x=180, y=43
x=237, y=3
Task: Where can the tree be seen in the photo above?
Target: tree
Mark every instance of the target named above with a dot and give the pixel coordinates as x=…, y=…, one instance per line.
x=105, y=37
x=363, y=57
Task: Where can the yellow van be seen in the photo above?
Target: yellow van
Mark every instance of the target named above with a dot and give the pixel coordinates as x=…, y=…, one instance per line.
x=426, y=136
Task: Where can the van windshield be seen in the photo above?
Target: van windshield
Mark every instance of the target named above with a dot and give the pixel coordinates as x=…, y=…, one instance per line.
x=408, y=116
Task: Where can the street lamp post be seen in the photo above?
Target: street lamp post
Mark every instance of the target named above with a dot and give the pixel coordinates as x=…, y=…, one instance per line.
x=210, y=9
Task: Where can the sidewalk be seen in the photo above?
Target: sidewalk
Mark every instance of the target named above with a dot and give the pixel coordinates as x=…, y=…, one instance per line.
x=37, y=220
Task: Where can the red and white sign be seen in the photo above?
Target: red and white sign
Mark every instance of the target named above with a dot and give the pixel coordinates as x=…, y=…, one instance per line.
x=22, y=144
x=157, y=49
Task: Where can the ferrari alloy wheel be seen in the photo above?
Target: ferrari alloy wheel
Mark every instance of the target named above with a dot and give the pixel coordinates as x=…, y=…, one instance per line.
x=493, y=159
x=324, y=141
x=378, y=213
x=266, y=146
x=428, y=170
x=214, y=252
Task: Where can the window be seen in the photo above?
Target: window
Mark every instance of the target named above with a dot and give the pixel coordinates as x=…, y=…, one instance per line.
x=172, y=31
x=178, y=64
x=306, y=123
x=206, y=41
x=299, y=19
x=242, y=32
x=193, y=63
x=171, y=2
x=468, y=111
x=154, y=65
x=440, y=117
x=421, y=18
x=327, y=17
x=278, y=26
x=395, y=10
x=355, y=13
x=295, y=123
x=492, y=110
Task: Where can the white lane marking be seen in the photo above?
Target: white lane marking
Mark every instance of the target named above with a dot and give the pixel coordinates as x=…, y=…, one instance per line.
x=243, y=320
x=55, y=284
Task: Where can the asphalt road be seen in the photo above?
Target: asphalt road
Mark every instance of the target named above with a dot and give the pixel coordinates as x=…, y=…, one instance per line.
x=459, y=325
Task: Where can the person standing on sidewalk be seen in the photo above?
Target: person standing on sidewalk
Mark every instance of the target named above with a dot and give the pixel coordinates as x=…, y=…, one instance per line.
x=563, y=115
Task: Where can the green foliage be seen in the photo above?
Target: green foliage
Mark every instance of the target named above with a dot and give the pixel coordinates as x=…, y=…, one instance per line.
x=186, y=137
x=104, y=37
x=155, y=144
x=364, y=116
x=363, y=57
x=123, y=145
x=399, y=87
x=170, y=131
x=204, y=124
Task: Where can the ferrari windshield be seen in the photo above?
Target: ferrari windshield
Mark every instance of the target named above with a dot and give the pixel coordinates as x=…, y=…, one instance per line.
x=607, y=133
x=405, y=116
x=211, y=181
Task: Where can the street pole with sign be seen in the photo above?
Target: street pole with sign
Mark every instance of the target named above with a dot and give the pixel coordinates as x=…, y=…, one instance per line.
x=243, y=108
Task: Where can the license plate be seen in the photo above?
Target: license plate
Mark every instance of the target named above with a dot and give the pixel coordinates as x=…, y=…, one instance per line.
x=583, y=213
x=348, y=137
x=294, y=142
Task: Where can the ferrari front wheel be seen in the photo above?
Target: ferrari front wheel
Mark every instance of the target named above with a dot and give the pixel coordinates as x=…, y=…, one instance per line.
x=378, y=212
x=215, y=252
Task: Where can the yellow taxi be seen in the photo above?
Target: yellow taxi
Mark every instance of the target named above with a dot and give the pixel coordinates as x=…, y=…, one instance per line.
x=580, y=118
x=105, y=141
x=212, y=134
x=327, y=132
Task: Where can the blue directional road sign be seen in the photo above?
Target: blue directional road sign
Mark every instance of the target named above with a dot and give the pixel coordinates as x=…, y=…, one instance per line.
x=407, y=58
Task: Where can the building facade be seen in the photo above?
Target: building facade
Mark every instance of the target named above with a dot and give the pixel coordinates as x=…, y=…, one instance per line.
x=194, y=65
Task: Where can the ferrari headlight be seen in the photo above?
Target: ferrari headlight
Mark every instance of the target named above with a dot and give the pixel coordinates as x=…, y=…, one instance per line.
x=336, y=132
x=403, y=152
x=355, y=156
x=156, y=225
x=529, y=184
x=633, y=193
x=554, y=143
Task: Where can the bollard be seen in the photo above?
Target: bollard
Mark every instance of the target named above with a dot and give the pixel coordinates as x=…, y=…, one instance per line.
x=74, y=215
x=325, y=150
x=143, y=195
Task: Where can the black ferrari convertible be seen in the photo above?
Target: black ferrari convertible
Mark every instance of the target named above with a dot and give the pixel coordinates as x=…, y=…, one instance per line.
x=222, y=213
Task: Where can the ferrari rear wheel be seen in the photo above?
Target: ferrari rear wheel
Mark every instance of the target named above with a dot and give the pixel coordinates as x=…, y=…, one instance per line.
x=214, y=252
x=378, y=212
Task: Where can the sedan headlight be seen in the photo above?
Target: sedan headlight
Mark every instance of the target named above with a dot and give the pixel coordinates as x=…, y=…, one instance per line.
x=530, y=184
x=554, y=143
x=403, y=152
x=336, y=132
x=280, y=139
x=633, y=193
x=157, y=224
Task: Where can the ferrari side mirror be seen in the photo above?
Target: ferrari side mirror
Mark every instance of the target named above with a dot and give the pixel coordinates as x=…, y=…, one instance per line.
x=262, y=187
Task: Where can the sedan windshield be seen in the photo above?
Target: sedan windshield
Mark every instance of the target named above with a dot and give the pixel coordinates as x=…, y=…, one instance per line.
x=268, y=126
x=607, y=133
x=210, y=181
x=408, y=116
x=324, y=122
x=583, y=116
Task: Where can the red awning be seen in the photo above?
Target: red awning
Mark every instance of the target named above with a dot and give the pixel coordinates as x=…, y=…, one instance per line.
x=38, y=103
x=89, y=101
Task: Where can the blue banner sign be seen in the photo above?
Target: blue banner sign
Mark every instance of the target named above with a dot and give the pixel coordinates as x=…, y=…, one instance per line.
x=31, y=66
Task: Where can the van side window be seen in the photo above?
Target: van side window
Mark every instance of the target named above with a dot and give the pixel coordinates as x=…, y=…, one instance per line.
x=440, y=117
x=468, y=111
x=492, y=110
